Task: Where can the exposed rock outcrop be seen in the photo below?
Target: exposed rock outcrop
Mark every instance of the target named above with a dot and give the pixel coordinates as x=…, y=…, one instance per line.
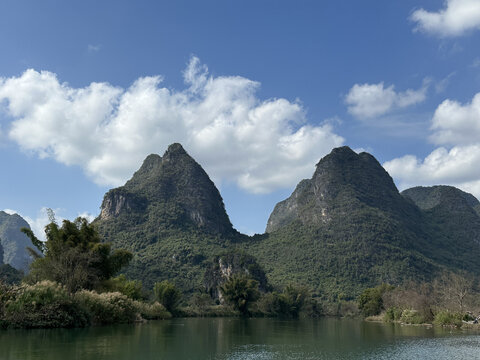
x=14, y=242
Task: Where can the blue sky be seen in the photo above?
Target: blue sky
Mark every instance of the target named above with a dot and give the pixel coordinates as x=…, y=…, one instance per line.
x=256, y=91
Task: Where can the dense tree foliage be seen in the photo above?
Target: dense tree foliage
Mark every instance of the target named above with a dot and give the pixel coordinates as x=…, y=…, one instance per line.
x=288, y=303
x=240, y=291
x=74, y=256
x=167, y=294
x=370, y=301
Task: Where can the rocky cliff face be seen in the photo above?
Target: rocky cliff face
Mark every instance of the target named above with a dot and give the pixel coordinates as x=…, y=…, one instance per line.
x=340, y=178
x=173, y=184
x=14, y=242
x=224, y=266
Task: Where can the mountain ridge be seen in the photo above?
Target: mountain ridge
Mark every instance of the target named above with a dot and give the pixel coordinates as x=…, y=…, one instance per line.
x=346, y=228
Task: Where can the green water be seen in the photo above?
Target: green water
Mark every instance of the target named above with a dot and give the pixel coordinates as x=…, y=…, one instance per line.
x=242, y=339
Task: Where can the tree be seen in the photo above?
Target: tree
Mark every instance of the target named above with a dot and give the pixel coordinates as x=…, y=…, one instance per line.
x=167, y=294
x=453, y=289
x=74, y=256
x=240, y=291
x=370, y=301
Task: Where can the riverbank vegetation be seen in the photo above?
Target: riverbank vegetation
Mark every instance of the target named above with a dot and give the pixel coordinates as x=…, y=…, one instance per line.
x=72, y=283
x=452, y=299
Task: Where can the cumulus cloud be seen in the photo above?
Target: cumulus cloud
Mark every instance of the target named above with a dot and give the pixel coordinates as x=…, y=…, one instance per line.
x=454, y=125
x=455, y=19
x=262, y=145
x=371, y=100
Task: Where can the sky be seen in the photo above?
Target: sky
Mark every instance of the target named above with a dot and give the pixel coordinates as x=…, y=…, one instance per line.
x=256, y=91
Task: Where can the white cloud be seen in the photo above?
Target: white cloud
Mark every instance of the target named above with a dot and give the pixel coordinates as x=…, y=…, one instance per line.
x=262, y=145
x=371, y=100
x=93, y=48
x=87, y=215
x=9, y=211
x=456, y=125
x=455, y=19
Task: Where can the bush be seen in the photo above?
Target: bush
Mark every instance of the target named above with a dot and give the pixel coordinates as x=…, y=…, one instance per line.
x=129, y=288
x=201, y=302
x=107, y=308
x=43, y=305
x=290, y=303
x=392, y=314
x=447, y=318
x=153, y=311
x=411, y=317
x=167, y=294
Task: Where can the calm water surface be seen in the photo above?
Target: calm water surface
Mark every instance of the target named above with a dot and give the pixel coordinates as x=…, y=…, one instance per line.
x=221, y=339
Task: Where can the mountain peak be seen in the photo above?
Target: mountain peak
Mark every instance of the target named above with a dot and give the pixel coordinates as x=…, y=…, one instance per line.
x=341, y=177
x=177, y=187
x=175, y=149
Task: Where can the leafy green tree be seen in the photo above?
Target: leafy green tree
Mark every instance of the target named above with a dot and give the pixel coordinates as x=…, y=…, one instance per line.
x=168, y=295
x=240, y=291
x=289, y=303
x=74, y=256
x=370, y=301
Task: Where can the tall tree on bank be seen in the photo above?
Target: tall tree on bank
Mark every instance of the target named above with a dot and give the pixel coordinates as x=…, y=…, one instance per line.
x=74, y=255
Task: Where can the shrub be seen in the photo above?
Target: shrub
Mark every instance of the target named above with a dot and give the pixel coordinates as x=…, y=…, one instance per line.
x=201, y=302
x=43, y=305
x=290, y=303
x=107, y=308
x=130, y=288
x=153, y=311
x=392, y=314
x=167, y=294
x=411, y=317
x=447, y=318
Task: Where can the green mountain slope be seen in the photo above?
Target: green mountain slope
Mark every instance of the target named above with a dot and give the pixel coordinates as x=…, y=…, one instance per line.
x=14, y=242
x=348, y=227
x=345, y=229
x=171, y=216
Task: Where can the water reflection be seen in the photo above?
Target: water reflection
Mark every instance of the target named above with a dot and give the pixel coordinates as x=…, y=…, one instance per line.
x=224, y=338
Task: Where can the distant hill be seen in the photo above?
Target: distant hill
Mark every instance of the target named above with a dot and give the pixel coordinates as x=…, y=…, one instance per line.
x=456, y=200
x=454, y=219
x=14, y=242
x=344, y=229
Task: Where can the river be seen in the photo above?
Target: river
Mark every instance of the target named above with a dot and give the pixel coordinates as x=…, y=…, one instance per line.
x=230, y=338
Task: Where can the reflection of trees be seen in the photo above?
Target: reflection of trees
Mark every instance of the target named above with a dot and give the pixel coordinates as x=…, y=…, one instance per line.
x=207, y=338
